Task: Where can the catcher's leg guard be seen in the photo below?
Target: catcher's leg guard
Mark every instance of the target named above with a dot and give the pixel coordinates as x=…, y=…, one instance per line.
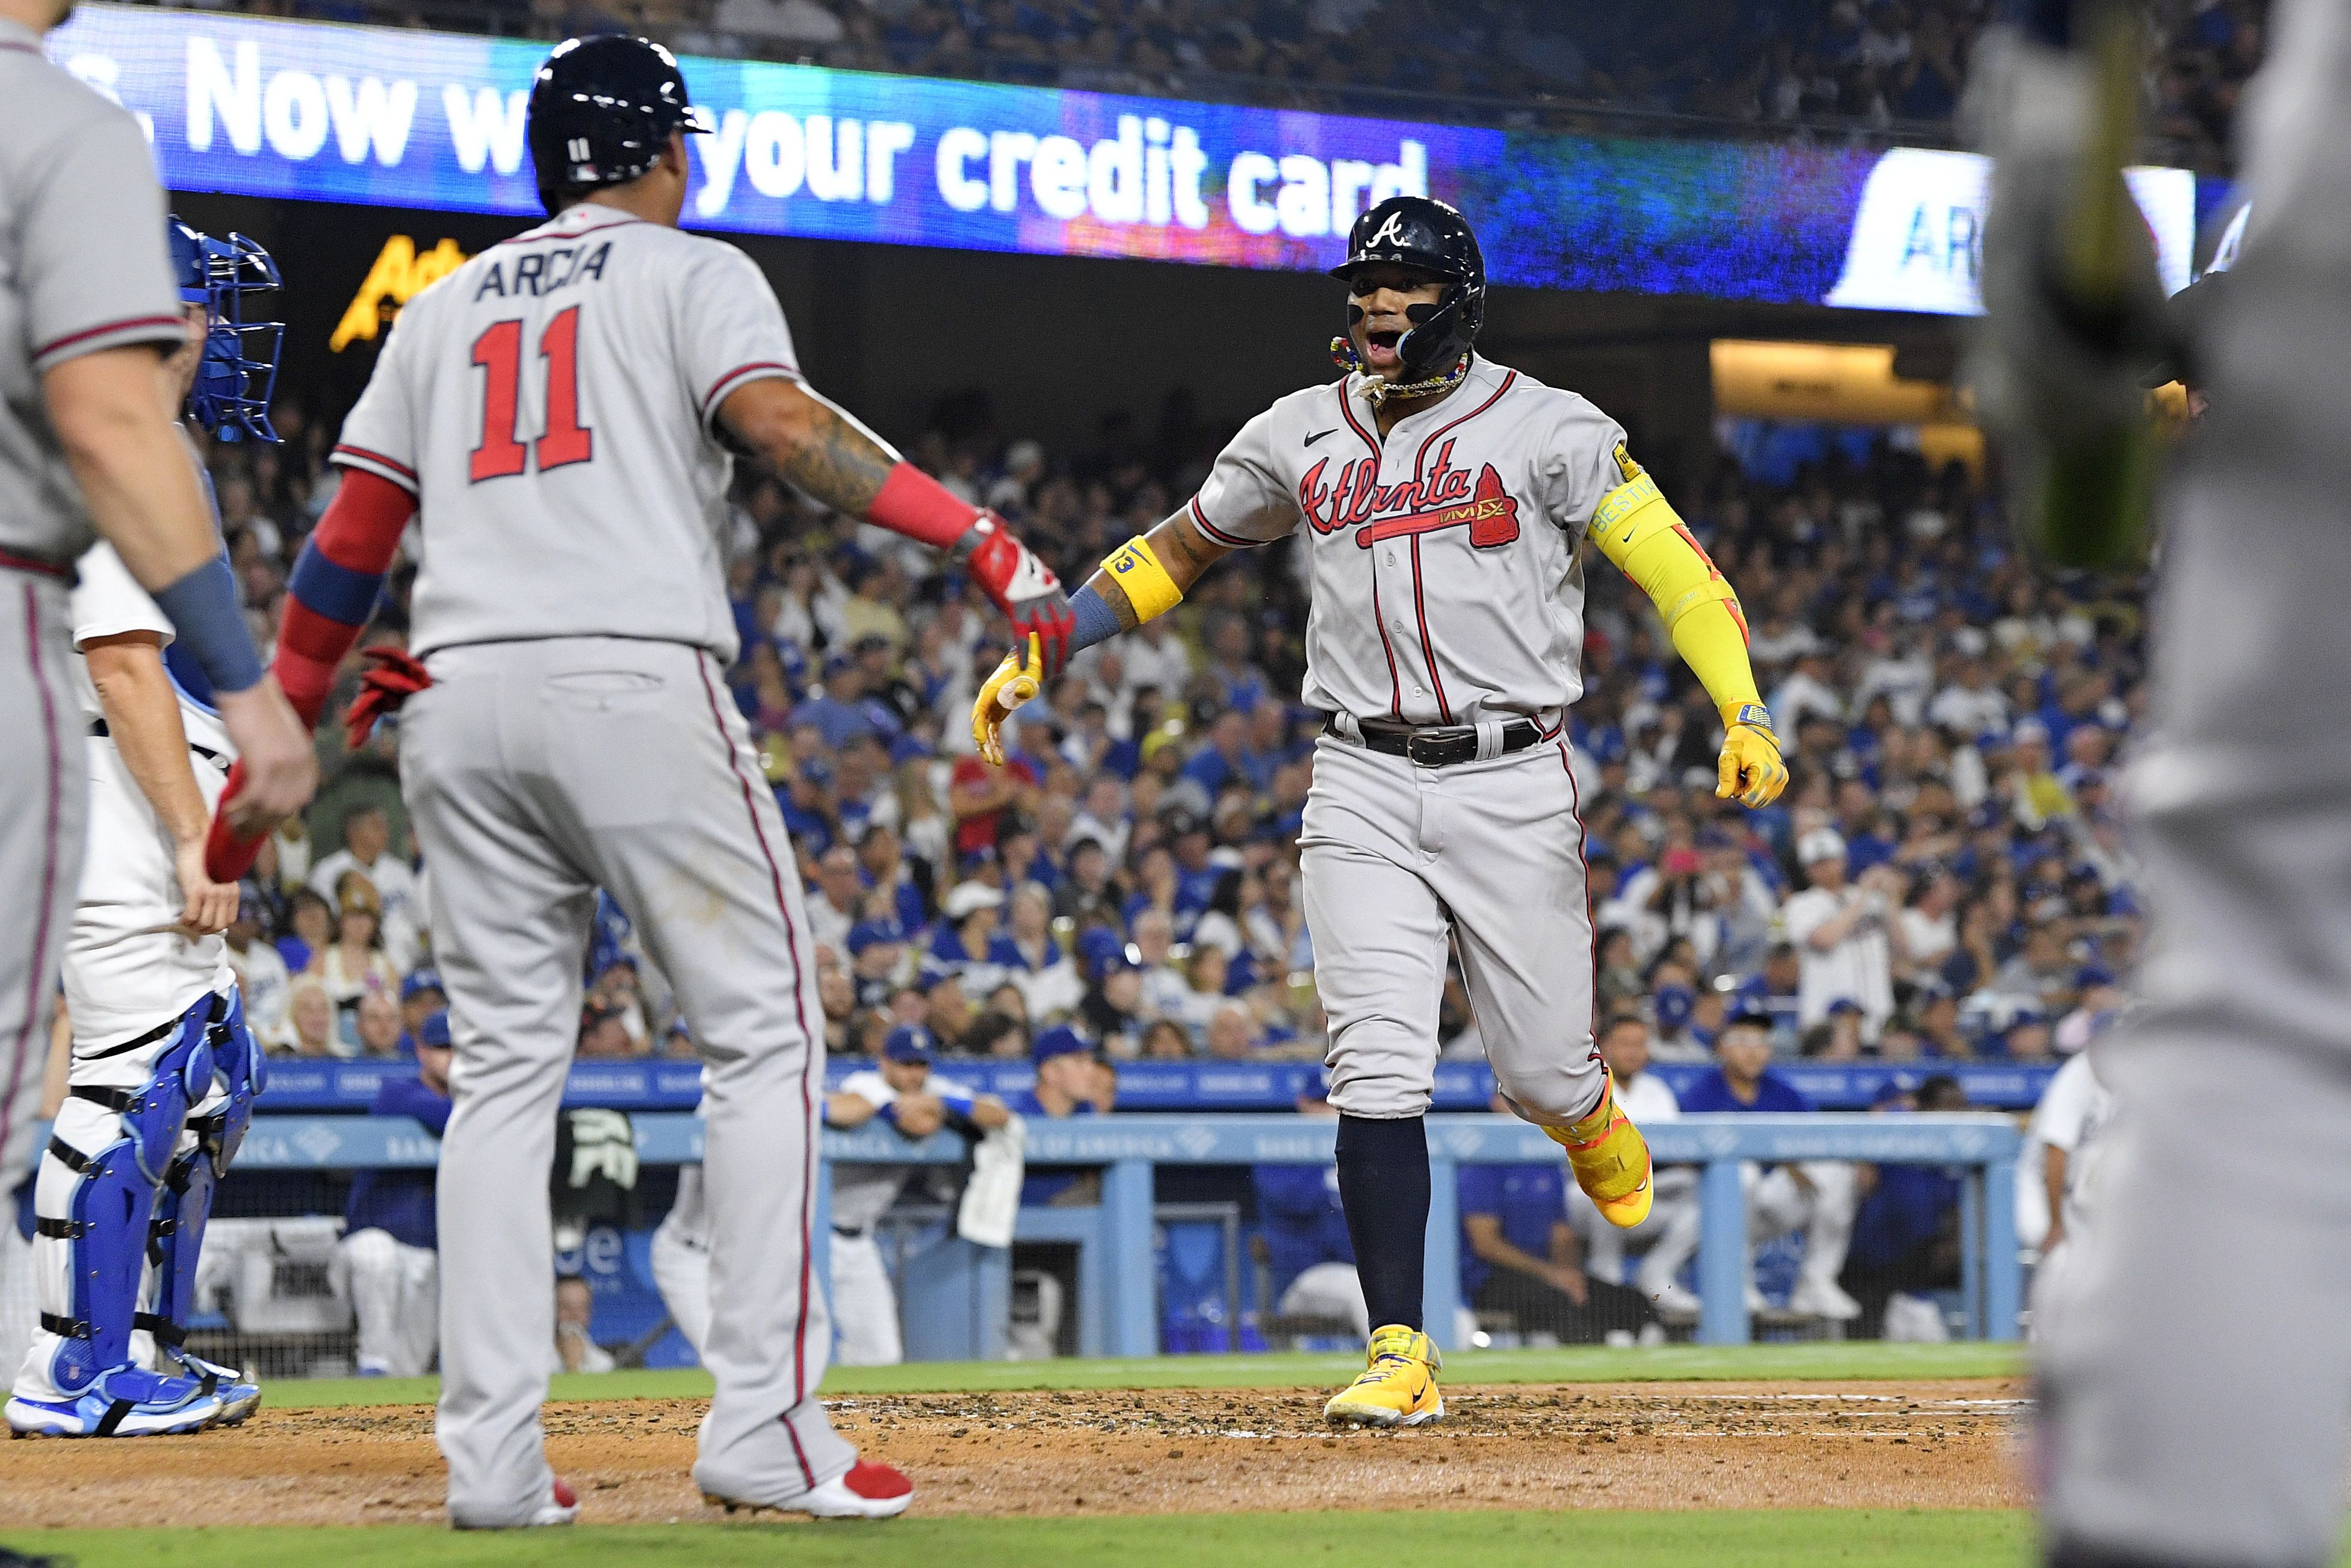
x=185, y=1204
x=108, y=1193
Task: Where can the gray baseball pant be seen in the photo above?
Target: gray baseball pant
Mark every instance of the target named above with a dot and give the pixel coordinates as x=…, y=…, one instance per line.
x=537, y=772
x=1397, y=859
x=43, y=804
x=2196, y=1366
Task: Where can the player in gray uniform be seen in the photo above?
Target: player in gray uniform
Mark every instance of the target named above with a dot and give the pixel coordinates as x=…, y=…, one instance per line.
x=559, y=414
x=158, y=1030
x=86, y=448
x=2192, y=1415
x=1440, y=498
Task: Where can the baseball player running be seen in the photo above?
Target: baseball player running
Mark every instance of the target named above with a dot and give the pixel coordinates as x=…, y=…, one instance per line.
x=559, y=414
x=87, y=450
x=1442, y=496
x=163, y=1069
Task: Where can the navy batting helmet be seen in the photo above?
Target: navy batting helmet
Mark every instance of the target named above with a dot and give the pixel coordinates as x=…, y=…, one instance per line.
x=1416, y=232
x=601, y=110
x=234, y=379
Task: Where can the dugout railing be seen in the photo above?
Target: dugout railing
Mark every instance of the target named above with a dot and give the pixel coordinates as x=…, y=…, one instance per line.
x=1114, y=1236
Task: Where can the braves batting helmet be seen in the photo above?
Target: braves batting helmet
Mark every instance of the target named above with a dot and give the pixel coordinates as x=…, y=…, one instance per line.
x=1416, y=232
x=601, y=111
x=230, y=396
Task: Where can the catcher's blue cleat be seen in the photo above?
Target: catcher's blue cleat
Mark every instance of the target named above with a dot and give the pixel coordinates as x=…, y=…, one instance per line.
x=123, y=1403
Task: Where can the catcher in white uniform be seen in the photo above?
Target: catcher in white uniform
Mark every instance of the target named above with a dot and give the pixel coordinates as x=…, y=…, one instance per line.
x=561, y=415
x=1443, y=498
x=163, y=1069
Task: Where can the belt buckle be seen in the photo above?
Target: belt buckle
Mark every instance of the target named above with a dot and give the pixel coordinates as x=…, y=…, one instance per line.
x=1436, y=756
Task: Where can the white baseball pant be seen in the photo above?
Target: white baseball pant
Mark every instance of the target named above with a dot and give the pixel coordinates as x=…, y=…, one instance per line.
x=537, y=772
x=865, y=1307
x=394, y=1291
x=1777, y=1204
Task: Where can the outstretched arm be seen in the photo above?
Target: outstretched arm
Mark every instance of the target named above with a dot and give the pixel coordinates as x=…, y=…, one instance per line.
x=1637, y=528
x=825, y=454
x=1145, y=577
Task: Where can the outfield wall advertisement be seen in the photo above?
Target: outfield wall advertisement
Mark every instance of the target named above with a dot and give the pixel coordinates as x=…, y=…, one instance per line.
x=404, y=119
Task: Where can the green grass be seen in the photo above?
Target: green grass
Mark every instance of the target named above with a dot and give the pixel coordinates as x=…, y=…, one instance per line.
x=1775, y=1363
x=1750, y=1538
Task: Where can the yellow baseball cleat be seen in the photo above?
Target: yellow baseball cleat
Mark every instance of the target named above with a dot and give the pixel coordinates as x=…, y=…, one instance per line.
x=1611, y=1160
x=1399, y=1387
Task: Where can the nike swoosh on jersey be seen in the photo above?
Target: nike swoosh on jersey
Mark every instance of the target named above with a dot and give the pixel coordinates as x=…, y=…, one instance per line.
x=1320, y=434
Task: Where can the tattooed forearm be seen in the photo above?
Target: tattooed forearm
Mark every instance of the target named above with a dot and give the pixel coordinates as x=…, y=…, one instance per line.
x=1181, y=548
x=1115, y=597
x=835, y=462
x=817, y=448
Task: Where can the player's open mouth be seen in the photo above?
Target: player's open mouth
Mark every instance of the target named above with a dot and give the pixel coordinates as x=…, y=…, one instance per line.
x=1380, y=348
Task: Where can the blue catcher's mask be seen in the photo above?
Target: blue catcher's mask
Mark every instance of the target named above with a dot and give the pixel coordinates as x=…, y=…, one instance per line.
x=239, y=368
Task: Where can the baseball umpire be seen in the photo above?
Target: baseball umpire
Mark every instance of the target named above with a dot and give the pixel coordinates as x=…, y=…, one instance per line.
x=1443, y=498
x=88, y=449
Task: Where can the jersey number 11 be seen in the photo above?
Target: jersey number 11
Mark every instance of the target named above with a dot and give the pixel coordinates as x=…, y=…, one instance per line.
x=498, y=351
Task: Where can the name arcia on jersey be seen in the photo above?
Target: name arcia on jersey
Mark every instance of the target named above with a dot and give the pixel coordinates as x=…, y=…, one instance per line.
x=1444, y=497
x=540, y=273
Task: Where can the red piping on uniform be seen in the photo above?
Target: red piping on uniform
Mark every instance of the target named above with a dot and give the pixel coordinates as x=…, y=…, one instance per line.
x=1200, y=519
x=809, y=1044
x=399, y=469
x=720, y=384
x=1380, y=621
x=1422, y=455
x=70, y=338
x=1347, y=409
x=1427, y=649
x=34, y=991
x=554, y=232
x=1575, y=811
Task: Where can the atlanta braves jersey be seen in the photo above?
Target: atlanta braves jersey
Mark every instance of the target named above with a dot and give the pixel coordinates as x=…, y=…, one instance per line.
x=1446, y=586
x=83, y=266
x=550, y=404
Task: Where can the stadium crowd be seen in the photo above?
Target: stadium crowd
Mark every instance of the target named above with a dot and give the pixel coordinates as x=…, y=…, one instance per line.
x=1945, y=880
x=1840, y=65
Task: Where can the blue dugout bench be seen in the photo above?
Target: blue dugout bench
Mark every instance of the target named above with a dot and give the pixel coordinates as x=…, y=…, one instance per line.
x=958, y=1304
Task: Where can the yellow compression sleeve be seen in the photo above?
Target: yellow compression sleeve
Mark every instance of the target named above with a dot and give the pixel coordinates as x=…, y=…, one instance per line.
x=1637, y=528
x=1135, y=567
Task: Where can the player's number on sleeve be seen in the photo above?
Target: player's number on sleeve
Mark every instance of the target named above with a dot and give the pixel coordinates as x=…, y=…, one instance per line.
x=498, y=353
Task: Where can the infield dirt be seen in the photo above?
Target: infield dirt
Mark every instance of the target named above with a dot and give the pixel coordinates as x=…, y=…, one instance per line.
x=1635, y=1445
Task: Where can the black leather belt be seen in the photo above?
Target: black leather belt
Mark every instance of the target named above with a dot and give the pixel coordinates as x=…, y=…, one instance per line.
x=1437, y=747
x=100, y=731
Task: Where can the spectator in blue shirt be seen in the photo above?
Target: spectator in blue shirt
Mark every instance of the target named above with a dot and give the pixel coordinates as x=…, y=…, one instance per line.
x=1772, y=992
x=1907, y=1234
x=1309, y=1256
x=1816, y=1196
x=1072, y=1081
x=1521, y=1256
x=389, y=1260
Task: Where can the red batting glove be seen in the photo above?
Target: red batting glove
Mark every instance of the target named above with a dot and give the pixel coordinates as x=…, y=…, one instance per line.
x=227, y=857
x=394, y=675
x=1016, y=582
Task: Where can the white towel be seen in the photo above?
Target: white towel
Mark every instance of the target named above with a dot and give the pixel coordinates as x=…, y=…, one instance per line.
x=991, y=1199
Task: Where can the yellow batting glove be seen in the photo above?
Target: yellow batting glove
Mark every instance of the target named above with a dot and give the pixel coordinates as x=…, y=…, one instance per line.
x=1753, y=773
x=1013, y=683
